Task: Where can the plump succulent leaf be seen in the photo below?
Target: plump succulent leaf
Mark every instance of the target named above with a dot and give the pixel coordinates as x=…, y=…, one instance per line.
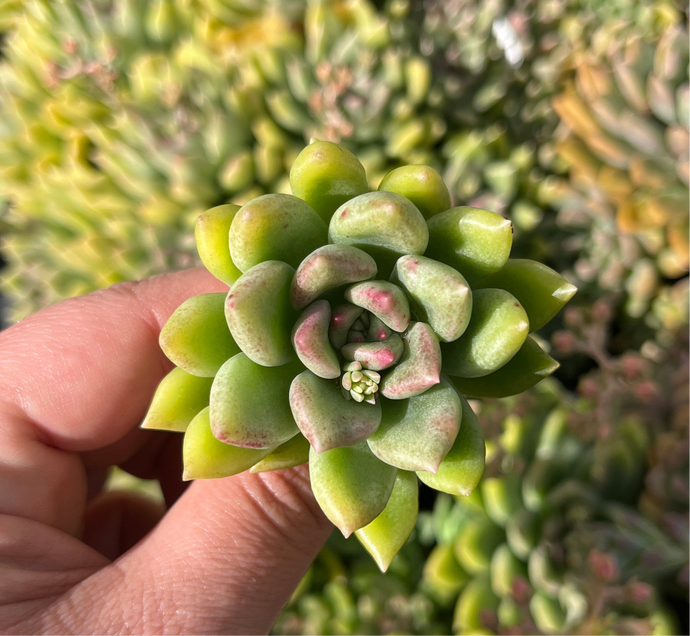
x=197, y=338
x=522, y=532
x=212, y=233
x=386, y=534
x=383, y=224
x=351, y=485
x=342, y=319
x=177, y=400
x=326, y=268
x=529, y=366
x=249, y=403
x=501, y=497
x=476, y=543
x=205, y=457
x=476, y=242
x=417, y=433
x=326, y=175
x=383, y=299
x=260, y=315
x=375, y=356
x=275, y=227
x=310, y=339
x=443, y=574
x=475, y=601
x=463, y=465
x=505, y=568
x=541, y=291
x=326, y=418
x=498, y=328
x=548, y=615
x=420, y=184
x=420, y=366
x=439, y=294
x=294, y=452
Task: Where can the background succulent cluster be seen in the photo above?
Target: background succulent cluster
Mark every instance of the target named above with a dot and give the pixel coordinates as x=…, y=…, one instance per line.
x=568, y=117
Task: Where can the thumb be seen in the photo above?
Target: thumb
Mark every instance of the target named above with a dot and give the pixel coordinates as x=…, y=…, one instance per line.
x=224, y=559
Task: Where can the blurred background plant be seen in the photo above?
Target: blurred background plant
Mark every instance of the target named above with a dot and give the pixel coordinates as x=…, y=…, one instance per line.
x=123, y=119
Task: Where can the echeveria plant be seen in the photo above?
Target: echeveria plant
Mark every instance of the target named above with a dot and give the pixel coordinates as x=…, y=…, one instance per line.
x=355, y=324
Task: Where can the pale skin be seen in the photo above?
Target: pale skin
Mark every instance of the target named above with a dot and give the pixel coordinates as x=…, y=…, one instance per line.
x=75, y=382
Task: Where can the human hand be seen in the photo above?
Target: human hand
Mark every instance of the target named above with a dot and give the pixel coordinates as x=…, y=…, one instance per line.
x=76, y=380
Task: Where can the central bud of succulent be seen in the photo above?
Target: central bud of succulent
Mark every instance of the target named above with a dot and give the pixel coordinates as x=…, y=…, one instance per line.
x=358, y=384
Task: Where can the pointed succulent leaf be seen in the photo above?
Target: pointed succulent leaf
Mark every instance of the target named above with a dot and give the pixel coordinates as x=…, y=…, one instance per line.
x=205, y=457
x=275, y=227
x=375, y=356
x=475, y=242
x=416, y=434
x=386, y=534
x=178, y=399
x=420, y=366
x=509, y=613
x=325, y=418
x=439, y=294
x=383, y=299
x=212, y=233
x=462, y=467
x=342, y=318
x=498, y=328
x=310, y=339
x=260, y=315
x=351, y=485
x=326, y=268
x=196, y=337
x=530, y=365
x=294, y=452
x=505, y=568
x=475, y=601
x=249, y=403
x=420, y=184
x=522, y=532
x=326, y=175
x=383, y=224
x=547, y=613
x=476, y=543
x=541, y=291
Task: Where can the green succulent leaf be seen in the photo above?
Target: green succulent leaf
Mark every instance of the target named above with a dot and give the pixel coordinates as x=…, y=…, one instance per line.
x=196, y=337
x=462, y=467
x=275, y=227
x=326, y=418
x=375, y=356
x=326, y=175
x=541, y=291
x=439, y=294
x=386, y=534
x=177, y=400
x=377, y=330
x=522, y=531
x=383, y=299
x=529, y=366
x=260, y=315
x=212, y=233
x=501, y=497
x=420, y=184
x=249, y=403
x=498, y=328
x=476, y=543
x=383, y=224
x=475, y=242
x=342, y=319
x=294, y=452
x=544, y=575
x=420, y=366
x=443, y=574
x=505, y=568
x=351, y=485
x=326, y=268
x=205, y=457
x=547, y=613
x=475, y=601
x=310, y=339
x=417, y=433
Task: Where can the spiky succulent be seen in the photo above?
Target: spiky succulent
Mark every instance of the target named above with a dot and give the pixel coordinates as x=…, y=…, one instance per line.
x=549, y=544
x=354, y=323
x=625, y=136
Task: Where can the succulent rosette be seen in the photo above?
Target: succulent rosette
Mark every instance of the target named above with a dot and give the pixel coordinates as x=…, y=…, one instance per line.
x=355, y=324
